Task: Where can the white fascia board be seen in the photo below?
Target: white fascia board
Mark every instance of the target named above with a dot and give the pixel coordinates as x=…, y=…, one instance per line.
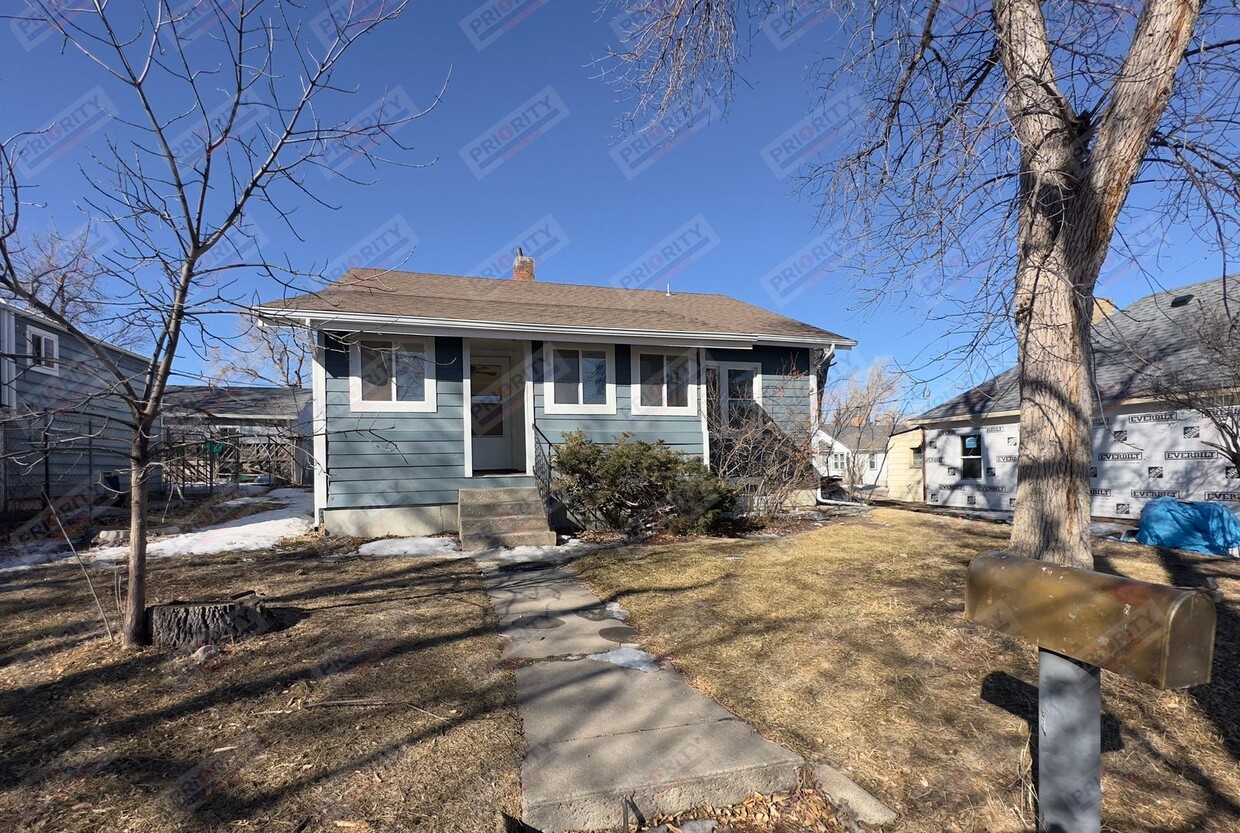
x=355, y=322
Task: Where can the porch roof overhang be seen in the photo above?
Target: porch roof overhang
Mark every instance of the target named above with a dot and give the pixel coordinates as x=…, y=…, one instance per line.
x=408, y=325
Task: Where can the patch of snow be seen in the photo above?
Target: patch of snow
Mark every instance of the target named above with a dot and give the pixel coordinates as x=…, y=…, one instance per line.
x=550, y=555
x=434, y=547
x=243, y=501
x=257, y=532
x=615, y=611
x=1103, y=529
x=32, y=555
x=627, y=656
x=292, y=496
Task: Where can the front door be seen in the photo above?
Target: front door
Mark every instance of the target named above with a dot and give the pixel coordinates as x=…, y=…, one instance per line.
x=491, y=416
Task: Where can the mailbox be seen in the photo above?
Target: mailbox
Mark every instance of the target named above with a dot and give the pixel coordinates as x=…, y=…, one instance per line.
x=1153, y=633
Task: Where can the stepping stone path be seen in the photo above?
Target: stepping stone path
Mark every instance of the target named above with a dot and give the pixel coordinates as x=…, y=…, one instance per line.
x=604, y=722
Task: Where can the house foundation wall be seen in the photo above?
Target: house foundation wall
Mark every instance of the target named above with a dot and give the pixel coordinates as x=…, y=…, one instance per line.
x=391, y=520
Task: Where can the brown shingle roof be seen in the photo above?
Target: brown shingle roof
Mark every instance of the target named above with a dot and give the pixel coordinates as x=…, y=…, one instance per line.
x=385, y=293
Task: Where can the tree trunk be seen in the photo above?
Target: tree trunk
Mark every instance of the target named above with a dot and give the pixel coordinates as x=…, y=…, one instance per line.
x=1056, y=382
x=135, y=631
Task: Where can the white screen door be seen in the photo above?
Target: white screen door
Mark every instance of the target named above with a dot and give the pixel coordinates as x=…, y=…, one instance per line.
x=491, y=420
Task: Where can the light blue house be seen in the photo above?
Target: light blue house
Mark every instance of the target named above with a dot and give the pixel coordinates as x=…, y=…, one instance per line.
x=439, y=400
x=64, y=428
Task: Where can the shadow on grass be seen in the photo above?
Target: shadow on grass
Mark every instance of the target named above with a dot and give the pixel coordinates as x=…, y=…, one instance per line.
x=932, y=591
x=66, y=725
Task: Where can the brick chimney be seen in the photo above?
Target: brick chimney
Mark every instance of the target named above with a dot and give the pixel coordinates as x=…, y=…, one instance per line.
x=522, y=267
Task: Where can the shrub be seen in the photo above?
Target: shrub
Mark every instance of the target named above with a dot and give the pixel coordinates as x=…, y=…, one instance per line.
x=636, y=486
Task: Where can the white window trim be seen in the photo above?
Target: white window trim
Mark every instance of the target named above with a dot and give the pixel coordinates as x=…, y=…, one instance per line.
x=635, y=384
x=31, y=332
x=356, y=403
x=723, y=368
x=550, y=406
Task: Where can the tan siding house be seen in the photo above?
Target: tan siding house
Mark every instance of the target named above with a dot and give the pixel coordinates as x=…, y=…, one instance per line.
x=906, y=466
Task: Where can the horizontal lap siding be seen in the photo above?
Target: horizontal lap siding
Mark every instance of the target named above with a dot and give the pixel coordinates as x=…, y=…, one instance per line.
x=377, y=459
x=787, y=394
x=407, y=459
x=80, y=410
x=420, y=492
x=684, y=433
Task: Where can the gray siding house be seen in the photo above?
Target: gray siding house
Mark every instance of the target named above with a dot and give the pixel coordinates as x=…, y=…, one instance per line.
x=62, y=426
x=1144, y=446
x=432, y=390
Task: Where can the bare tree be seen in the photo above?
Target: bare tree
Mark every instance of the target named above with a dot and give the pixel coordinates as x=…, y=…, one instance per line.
x=861, y=407
x=262, y=355
x=769, y=459
x=878, y=396
x=1210, y=385
x=222, y=133
x=64, y=275
x=1005, y=138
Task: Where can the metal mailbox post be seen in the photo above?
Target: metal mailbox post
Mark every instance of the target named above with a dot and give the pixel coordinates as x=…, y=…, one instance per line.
x=1083, y=621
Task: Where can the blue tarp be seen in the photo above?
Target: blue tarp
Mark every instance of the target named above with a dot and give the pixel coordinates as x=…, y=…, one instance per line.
x=1209, y=528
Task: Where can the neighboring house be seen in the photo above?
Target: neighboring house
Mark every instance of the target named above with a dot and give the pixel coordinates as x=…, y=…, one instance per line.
x=62, y=424
x=220, y=433
x=856, y=454
x=1143, y=448
x=430, y=390
x=906, y=465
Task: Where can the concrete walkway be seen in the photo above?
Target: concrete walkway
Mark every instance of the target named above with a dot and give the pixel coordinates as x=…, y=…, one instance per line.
x=603, y=722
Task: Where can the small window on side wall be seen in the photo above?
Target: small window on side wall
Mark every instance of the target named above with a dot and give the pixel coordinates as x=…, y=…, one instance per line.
x=971, y=457
x=44, y=351
x=392, y=375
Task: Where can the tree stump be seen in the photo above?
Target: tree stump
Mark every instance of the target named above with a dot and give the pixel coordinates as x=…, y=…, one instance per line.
x=179, y=624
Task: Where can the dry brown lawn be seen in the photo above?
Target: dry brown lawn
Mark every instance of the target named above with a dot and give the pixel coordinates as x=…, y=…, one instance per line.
x=99, y=739
x=849, y=644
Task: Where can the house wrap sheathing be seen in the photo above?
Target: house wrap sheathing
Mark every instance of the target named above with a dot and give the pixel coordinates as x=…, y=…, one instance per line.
x=1143, y=446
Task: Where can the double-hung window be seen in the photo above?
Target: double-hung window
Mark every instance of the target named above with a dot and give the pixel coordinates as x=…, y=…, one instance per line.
x=44, y=351
x=579, y=379
x=392, y=374
x=663, y=382
x=733, y=392
x=971, y=457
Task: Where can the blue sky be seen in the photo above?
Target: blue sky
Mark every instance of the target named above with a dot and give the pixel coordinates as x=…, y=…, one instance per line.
x=719, y=202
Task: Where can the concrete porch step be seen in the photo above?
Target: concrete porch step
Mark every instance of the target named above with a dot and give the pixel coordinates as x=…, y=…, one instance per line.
x=485, y=509
x=473, y=542
x=503, y=517
x=504, y=524
x=502, y=494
